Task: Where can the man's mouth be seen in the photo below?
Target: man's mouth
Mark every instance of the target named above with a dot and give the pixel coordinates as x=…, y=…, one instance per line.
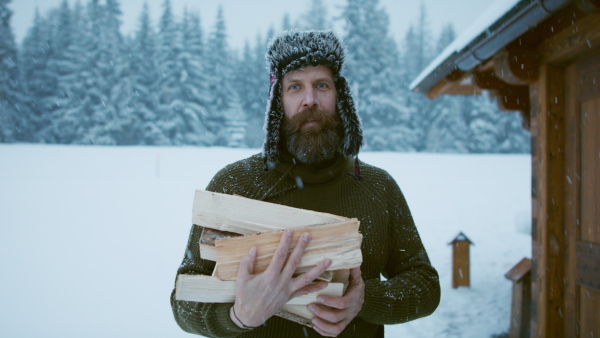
x=310, y=124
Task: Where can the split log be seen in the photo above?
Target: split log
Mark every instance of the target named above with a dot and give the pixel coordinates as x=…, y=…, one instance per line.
x=247, y=216
x=338, y=241
x=207, y=242
x=296, y=313
x=208, y=289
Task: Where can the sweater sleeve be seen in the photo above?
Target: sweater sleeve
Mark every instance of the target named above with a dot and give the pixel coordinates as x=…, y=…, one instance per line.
x=412, y=288
x=207, y=319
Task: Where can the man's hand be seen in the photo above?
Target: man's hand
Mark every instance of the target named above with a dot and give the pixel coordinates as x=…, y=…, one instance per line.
x=258, y=297
x=336, y=313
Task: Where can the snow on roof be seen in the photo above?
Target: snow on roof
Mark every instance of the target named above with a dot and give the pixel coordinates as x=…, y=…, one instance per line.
x=461, y=238
x=480, y=25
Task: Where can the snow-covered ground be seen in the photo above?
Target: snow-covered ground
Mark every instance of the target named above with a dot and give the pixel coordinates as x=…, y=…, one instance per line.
x=91, y=237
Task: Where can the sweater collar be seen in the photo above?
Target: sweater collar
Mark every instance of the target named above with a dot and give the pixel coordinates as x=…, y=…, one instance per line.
x=312, y=174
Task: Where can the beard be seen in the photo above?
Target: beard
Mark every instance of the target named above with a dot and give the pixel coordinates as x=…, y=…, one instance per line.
x=315, y=143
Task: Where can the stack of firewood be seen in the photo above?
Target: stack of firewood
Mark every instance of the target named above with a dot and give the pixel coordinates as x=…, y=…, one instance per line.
x=234, y=224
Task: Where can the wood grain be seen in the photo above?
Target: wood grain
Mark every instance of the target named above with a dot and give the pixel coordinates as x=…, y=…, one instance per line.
x=338, y=241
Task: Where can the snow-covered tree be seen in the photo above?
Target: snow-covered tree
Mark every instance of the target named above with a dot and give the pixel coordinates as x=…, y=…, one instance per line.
x=316, y=17
x=372, y=66
x=446, y=37
x=252, y=84
x=40, y=84
x=193, y=81
x=225, y=117
x=14, y=115
x=142, y=74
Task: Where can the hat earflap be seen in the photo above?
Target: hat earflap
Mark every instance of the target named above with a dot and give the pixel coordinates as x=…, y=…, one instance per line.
x=272, y=127
x=353, y=138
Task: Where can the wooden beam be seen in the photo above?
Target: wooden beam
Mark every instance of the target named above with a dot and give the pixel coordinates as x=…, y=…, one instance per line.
x=488, y=80
x=588, y=265
x=338, y=241
x=549, y=245
x=588, y=6
x=209, y=289
x=247, y=216
x=580, y=36
x=517, y=66
x=513, y=98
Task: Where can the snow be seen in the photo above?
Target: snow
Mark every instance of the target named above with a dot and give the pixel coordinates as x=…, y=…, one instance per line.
x=91, y=237
x=479, y=26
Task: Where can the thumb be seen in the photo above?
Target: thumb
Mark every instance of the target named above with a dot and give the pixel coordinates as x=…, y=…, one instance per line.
x=247, y=265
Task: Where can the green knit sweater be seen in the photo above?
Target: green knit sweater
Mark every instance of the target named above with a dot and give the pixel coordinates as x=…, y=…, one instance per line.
x=391, y=246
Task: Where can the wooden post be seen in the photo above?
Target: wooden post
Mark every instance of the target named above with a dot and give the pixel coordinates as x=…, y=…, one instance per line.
x=461, y=261
x=520, y=313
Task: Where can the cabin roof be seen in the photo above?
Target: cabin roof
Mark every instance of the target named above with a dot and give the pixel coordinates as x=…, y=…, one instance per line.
x=504, y=21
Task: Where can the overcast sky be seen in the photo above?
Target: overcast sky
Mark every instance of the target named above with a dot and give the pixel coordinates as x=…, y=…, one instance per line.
x=246, y=18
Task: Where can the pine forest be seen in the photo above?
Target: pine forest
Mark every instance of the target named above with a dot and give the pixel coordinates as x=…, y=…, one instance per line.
x=77, y=79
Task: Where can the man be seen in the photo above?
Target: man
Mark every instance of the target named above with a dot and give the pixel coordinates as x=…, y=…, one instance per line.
x=309, y=161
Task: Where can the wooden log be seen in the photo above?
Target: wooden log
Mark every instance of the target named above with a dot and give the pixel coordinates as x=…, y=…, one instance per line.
x=247, y=216
x=208, y=289
x=296, y=313
x=338, y=241
x=207, y=242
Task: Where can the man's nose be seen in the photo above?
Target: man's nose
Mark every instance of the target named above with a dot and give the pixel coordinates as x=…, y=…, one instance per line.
x=310, y=99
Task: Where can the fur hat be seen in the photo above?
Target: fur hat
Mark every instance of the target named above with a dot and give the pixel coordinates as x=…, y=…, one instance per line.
x=293, y=50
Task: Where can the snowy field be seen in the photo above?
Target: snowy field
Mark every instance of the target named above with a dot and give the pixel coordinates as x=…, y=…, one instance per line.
x=91, y=237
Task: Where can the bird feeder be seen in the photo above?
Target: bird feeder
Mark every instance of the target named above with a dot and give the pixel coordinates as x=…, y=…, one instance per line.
x=461, y=261
x=520, y=275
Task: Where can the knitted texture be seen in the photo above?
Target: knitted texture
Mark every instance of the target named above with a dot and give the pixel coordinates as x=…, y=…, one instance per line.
x=293, y=50
x=391, y=245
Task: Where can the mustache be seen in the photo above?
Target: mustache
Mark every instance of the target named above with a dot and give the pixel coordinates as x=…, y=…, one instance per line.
x=295, y=123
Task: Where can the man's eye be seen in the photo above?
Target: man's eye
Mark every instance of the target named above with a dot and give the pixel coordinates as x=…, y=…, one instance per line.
x=322, y=85
x=294, y=87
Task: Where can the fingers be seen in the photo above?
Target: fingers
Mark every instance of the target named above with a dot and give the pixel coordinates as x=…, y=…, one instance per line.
x=328, y=314
x=281, y=252
x=296, y=256
x=247, y=264
x=355, y=274
x=328, y=329
x=334, y=302
x=323, y=333
x=310, y=288
x=307, y=277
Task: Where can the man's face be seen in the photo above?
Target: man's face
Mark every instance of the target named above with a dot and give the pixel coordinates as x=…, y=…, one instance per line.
x=309, y=88
x=312, y=129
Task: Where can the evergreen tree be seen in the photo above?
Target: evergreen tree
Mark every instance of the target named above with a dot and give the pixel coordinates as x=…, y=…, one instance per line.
x=316, y=17
x=141, y=120
x=416, y=55
x=40, y=84
x=372, y=67
x=112, y=88
x=494, y=131
x=448, y=132
x=286, y=23
x=226, y=118
x=193, y=83
x=14, y=115
x=169, y=124
x=60, y=124
x=67, y=109
x=252, y=84
x=446, y=38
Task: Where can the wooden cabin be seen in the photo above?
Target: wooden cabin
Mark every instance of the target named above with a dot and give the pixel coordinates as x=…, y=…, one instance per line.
x=542, y=59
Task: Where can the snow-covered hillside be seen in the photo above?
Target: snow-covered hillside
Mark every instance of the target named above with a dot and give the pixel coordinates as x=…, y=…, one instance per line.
x=91, y=237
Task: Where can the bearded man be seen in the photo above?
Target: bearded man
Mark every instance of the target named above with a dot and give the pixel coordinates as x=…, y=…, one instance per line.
x=309, y=161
